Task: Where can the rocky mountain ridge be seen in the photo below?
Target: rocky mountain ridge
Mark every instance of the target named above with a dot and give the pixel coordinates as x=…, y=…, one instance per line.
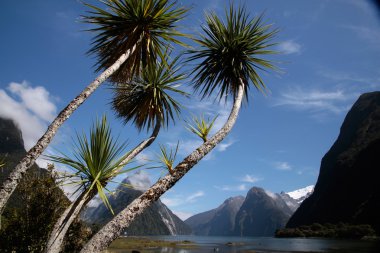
x=260, y=213
x=347, y=189
x=158, y=219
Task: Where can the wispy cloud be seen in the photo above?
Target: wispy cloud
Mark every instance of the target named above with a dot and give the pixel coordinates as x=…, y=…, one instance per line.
x=31, y=108
x=368, y=34
x=144, y=157
x=289, y=47
x=240, y=187
x=194, y=196
x=282, y=166
x=181, y=199
x=315, y=100
x=250, y=179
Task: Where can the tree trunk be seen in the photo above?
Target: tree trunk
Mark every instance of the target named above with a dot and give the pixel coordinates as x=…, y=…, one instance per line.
x=143, y=145
x=61, y=227
x=54, y=244
x=18, y=172
x=112, y=230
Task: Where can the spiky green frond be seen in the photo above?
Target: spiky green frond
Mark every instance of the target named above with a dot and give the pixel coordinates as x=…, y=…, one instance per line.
x=2, y=161
x=147, y=99
x=150, y=24
x=230, y=53
x=201, y=126
x=95, y=160
x=167, y=158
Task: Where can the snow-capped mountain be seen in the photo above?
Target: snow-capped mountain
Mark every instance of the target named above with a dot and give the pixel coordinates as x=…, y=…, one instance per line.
x=301, y=194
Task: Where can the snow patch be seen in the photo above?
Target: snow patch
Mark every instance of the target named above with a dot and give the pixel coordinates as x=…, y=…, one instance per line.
x=300, y=194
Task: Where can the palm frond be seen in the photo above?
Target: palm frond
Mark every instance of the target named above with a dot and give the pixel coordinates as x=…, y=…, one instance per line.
x=147, y=99
x=148, y=24
x=2, y=161
x=167, y=158
x=230, y=53
x=201, y=126
x=95, y=160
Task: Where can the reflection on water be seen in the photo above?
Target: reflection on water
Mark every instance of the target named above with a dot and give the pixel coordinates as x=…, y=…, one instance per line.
x=258, y=244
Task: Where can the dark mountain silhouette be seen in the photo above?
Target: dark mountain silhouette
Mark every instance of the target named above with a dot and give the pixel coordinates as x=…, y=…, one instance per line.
x=348, y=188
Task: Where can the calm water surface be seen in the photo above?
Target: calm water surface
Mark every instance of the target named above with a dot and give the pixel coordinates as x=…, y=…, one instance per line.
x=260, y=244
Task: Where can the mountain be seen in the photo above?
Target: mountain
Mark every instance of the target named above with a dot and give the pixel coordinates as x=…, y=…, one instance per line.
x=348, y=188
x=156, y=220
x=36, y=198
x=294, y=198
x=301, y=194
x=11, y=146
x=261, y=213
x=219, y=221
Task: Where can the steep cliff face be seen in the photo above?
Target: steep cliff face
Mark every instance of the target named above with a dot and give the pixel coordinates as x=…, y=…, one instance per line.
x=11, y=146
x=348, y=188
x=158, y=219
x=261, y=214
x=219, y=221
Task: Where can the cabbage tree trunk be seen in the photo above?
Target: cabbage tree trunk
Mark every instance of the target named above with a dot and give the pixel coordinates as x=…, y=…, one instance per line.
x=61, y=227
x=18, y=172
x=54, y=244
x=113, y=229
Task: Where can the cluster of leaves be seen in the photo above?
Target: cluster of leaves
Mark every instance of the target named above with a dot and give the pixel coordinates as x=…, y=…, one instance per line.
x=340, y=230
x=34, y=208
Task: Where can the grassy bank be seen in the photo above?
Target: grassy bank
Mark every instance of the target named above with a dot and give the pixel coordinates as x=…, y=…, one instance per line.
x=143, y=244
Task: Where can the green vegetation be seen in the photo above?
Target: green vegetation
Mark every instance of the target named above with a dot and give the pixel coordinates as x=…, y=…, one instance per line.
x=96, y=161
x=32, y=211
x=201, y=126
x=142, y=243
x=341, y=230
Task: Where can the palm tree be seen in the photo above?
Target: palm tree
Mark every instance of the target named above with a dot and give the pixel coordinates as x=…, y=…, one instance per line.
x=229, y=57
x=130, y=33
x=95, y=163
x=147, y=101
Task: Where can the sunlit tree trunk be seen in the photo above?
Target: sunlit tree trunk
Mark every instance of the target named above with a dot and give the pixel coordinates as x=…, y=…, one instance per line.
x=61, y=227
x=18, y=172
x=113, y=229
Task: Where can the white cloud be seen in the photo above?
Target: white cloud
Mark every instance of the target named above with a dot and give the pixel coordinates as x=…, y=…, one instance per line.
x=30, y=108
x=271, y=194
x=250, y=179
x=144, y=157
x=240, y=187
x=282, y=166
x=140, y=180
x=289, y=47
x=171, y=202
x=183, y=215
x=181, y=200
x=315, y=100
x=37, y=100
x=194, y=196
x=371, y=35
x=223, y=146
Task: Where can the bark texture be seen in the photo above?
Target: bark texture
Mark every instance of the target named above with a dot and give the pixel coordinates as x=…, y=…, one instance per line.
x=18, y=172
x=61, y=227
x=54, y=244
x=114, y=228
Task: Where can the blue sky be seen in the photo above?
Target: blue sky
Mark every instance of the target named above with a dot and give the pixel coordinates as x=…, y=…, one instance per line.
x=330, y=56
